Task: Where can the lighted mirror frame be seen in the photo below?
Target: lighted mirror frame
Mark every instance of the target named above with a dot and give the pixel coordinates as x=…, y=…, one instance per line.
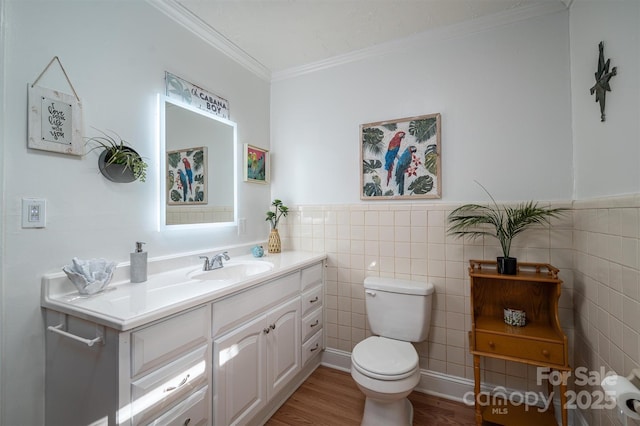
x=162, y=167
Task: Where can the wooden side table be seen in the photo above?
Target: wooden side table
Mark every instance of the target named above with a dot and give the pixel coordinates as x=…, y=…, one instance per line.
x=535, y=289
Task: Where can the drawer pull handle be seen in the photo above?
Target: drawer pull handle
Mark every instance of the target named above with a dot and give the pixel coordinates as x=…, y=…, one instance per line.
x=186, y=422
x=266, y=330
x=545, y=353
x=315, y=348
x=492, y=345
x=172, y=388
x=314, y=300
x=272, y=326
x=314, y=324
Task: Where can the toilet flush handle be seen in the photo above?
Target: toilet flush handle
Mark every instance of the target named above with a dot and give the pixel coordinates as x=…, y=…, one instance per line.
x=370, y=293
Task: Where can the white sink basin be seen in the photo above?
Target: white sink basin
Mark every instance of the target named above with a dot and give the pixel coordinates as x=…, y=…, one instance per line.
x=232, y=271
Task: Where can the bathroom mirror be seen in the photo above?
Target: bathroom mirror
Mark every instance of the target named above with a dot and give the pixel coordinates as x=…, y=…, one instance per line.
x=197, y=167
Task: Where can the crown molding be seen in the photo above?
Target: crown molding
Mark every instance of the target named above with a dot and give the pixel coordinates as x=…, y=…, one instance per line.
x=178, y=13
x=444, y=33
x=174, y=10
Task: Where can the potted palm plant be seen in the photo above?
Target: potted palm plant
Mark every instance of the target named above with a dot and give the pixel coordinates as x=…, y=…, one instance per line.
x=273, y=217
x=118, y=162
x=503, y=223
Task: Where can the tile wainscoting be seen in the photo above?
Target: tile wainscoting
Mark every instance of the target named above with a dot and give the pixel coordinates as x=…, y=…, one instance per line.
x=606, y=292
x=596, y=246
x=410, y=241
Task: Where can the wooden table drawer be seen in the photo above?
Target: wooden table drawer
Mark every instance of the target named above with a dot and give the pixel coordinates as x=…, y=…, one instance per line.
x=527, y=349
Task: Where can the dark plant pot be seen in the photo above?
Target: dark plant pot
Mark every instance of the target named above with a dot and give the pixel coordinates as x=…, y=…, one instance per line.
x=507, y=265
x=118, y=173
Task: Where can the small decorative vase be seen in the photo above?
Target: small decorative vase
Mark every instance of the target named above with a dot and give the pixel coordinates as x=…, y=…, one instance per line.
x=275, y=246
x=257, y=251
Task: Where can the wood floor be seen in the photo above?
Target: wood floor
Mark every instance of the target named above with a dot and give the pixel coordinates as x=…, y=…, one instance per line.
x=330, y=397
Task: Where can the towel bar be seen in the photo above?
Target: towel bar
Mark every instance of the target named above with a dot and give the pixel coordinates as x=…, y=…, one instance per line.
x=89, y=342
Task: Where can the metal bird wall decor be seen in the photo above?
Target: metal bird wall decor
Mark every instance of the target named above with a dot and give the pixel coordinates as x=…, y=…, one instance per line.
x=603, y=75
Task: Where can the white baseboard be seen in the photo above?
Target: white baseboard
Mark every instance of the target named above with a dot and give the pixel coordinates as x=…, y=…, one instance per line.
x=334, y=358
x=431, y=382
x=437, y=384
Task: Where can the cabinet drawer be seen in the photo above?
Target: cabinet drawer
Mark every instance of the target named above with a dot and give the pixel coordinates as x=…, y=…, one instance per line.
x=235, y=310
x=311, y=300
x=167, y=384
x=311, y=323
x=192, y=411
x=161, y=342
x=311, y=276
x=312, y=347
x=527, y=349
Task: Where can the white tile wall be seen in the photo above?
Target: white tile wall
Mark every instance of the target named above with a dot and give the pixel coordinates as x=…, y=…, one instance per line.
x=177, y=215
x=606, y=291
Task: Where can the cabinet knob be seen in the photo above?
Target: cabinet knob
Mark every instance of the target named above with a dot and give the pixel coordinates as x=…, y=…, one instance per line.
x=492, y=345
x=545, y=353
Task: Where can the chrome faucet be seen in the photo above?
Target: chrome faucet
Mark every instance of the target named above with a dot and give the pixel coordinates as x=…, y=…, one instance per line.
x=215, y=262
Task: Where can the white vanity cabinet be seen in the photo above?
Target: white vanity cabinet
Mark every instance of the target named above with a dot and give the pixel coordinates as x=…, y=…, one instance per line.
x=129, y=378
x=230, y=358
x=254, y=360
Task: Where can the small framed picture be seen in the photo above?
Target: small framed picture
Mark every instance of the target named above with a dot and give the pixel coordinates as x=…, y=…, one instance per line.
x=256, y=164
x=55, y=121
x=187, y=176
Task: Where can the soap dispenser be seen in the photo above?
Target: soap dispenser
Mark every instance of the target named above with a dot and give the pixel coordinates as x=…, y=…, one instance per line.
x=138, y=267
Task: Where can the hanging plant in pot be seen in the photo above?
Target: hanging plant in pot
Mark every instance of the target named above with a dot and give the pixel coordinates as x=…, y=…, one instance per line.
x=118, y=162
x=273, y=217
x=502, y=223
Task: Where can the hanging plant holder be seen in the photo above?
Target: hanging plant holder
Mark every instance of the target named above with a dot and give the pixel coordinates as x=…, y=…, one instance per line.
x=119, y=173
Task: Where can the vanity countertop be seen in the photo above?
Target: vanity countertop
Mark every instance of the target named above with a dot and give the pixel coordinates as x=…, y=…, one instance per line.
x=125, y=305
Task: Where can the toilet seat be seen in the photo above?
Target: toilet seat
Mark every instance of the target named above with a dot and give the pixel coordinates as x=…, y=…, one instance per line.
x=385, y=359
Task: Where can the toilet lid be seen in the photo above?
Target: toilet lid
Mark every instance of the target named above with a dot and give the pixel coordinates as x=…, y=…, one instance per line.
x=385, y=358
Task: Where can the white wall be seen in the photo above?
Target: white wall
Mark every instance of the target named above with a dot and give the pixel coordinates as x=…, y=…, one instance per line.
x=504, y=96
x=606, y=154
x=115, y=54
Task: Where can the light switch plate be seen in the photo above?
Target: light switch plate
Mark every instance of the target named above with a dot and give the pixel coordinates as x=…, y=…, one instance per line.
x=34, y=212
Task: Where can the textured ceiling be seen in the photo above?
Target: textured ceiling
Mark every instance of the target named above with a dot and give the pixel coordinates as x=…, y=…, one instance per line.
x=283, y=34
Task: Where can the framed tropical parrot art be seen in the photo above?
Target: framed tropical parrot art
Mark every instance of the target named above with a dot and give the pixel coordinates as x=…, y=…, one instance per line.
x=256, y=164
x=187, y=176
x=400, y=158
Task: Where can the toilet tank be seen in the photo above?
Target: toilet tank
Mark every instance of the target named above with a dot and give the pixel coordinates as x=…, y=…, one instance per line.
x=398, y=309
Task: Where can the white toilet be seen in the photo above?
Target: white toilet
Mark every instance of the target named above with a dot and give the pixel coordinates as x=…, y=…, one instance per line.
x=385, y=366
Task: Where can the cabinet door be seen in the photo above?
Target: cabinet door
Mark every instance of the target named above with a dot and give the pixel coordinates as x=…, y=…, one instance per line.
x=283, y=345
x=240, y=390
